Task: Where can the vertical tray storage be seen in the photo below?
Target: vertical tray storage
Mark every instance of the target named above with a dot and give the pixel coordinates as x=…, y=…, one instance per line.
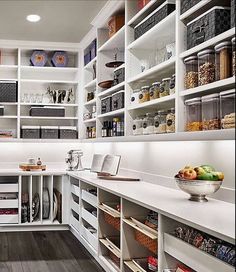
x=75, y=203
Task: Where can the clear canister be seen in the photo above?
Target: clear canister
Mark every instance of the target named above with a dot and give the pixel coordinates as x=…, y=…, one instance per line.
x=148, y=124
x=154, y=91
x=134, y=99
x=227, y=108
x=191, y=74
x=144, y=94
x=233, y=57
x=170, y=121
x=206, y=67
x=172, y=84
x=162, y=120
x=165, y=87
x=223, y=60
x=211, y=112
x=138, y=125
x=193, y=109
x=156, y=123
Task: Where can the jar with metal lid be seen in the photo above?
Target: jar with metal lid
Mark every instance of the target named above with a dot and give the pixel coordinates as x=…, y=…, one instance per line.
x=206, y=67
x=227, y=108
x=165, y=87
x=193, y=110
x=144, y=95
x=134, y=99
x=138, y=125
x=156, y=123
x=191, y=74
x=170, y=121
x=162, y=120
x=172, y=84
x=211, y=112
x=148, y=124
x=223, y=60
x=154, y=91
x=233, y=57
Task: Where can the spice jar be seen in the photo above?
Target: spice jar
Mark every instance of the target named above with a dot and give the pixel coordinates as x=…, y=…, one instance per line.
x=227, y=107
x=172, y=84
x=206, y=67
x=138, y=125
x=211, y=112
x=233, y=57
x=170, y=121
x=223, y=60
x=148, y=124
x=154, y=91
x=193, y=114
x=191, y=74
x=144, y=95
x=162, y=121
x=165, y=87
x=135, y=96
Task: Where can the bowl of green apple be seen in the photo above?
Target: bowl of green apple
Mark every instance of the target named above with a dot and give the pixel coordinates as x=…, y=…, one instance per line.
x=199, y=182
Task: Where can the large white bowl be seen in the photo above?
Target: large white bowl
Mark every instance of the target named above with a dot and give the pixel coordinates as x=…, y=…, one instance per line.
x=198, y=189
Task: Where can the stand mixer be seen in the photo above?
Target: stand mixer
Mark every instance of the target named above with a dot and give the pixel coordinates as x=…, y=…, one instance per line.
x=73, y=160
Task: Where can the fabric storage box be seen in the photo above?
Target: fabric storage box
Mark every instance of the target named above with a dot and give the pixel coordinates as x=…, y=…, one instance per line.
x=154, y=18
x=93, y=49
x=8, y=91
x=30, y=132
x=49, y=132
x=208, y=25
x=232, y=13
x=115, y=23
x=1, y=110
x=67, y=132
x=118, y=100
x=106, y=104
x=119, y=74
x=47, y=111
x=187, y=4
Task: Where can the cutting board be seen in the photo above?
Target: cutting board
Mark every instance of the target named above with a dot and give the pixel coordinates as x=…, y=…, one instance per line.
x=31, y=167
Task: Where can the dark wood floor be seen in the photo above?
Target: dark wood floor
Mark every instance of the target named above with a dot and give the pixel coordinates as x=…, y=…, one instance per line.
x=44, y=252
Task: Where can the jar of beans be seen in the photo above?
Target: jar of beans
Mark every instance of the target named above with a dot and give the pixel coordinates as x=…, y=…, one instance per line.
x=191, y=74
x=206, y=67
x=233, y=57
x=144, y=94
x=154, y=91
x=193, y=110
x=211, y=112
x=223, y=60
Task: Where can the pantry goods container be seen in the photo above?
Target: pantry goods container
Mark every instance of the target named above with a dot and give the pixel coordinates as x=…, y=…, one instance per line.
x=119, y=74
x=117, y=100
x=144, y=95
x=223, y=60
x=162, y=121
x=206, y=67
x=233, y=57
x=172, y=84
x=106, y=104
x=30, y=132
x=154, y=91
x=170, y=121
x=187, y=4
x=8, y=91
x=165, y=87
x=47, y=111
x=208, y=25
x=211, y=112
x=191, y=74
x=193, y=114
x=157, y=123
x=227, y=108
x=138, y=125
x=134, y=99
x=49, y=132
x=148, y=124
x=67, y=132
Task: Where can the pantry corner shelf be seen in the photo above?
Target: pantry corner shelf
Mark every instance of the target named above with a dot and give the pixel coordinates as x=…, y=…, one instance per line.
x=112, y=90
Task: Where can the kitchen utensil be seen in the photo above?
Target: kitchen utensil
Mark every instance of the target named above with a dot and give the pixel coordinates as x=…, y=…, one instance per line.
x=114, y=64
x=73, y=160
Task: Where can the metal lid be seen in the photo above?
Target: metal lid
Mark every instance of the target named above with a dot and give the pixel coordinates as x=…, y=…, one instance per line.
x=136, y=90
x=156, y=83
x=190, y=58
x=165, y=79
x=206, y=51
x=68, y=127
x=222, y=44
x=145, y=87
x=209, y=97
x=193, y=100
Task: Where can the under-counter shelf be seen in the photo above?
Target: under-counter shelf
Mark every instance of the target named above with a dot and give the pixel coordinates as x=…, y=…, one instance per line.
x=9, y=219
x=89, y=218
x=75, y=190
x=74, y=221
x=75, y=206
x=90, y=237
x=89, y=198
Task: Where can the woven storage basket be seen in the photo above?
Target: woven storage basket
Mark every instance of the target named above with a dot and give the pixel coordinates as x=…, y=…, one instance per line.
x=115, y=222
x=146, y=241
x=114, y=258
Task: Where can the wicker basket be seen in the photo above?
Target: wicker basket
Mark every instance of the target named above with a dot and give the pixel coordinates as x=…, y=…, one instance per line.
x=115, y=222
x=146, y=241
x=114, y=258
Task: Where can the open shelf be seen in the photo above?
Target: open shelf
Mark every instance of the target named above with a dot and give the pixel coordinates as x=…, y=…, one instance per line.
x=49, y=118
x=92, y=120
x=112, y=90
x=89, y=66
x=112, y=113
x=49, y=69
x=73, y=82
x=49, y=104
x=91, y=84
x=91, y=102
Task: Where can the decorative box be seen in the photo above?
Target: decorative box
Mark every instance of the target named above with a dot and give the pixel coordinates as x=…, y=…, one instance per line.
x=8, y=91
x=118, y=100
x=208, y=25
x=106, y=104
x=60, y=59
x=115, y=23
x=87, y=56
x=142, y=3
x=1, y=110
x=47, y=111
x=187, y=4
x=39, y=58
x=154, y=18
x=68, y=132
x=119, y=74
x=49, y=132
x=93, y=49
x=30, y=132
x=232, y=13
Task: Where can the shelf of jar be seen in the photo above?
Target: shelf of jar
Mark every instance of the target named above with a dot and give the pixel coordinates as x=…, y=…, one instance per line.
x=116, y=41
x=91, y=102
x=49, y=104
x=220, y=85
x=112, y=90
x=92, y=120
x=92, y=84
x=8, y=117
x=158, y=31
x=227, y=35
x=89, y=66
x=112, y=113
x=48, y=118
x=40, y=81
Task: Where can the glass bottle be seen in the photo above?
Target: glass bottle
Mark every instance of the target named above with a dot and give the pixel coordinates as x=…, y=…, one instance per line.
x=154, y=91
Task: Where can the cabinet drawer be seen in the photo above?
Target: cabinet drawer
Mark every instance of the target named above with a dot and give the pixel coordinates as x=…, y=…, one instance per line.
x=74, y=222
x=9, y=219
x=75, y=206
x=75, y=190
x=91, y=219
x=8, y=203
x=8, y=187
x=89, y=198
x=89, y=237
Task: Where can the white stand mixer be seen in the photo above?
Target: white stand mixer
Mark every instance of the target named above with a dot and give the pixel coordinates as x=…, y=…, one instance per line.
x=73, y=160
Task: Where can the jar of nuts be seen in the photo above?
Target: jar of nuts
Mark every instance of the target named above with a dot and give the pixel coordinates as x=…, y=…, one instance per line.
x=206, y=67
x=211, y=112
x=223, y=60
x=144, y=94
x=233, y=57
x=191, y=74
x=193, y=114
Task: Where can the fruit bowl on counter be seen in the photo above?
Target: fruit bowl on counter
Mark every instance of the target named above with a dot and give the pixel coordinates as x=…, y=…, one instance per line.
x=199, y=181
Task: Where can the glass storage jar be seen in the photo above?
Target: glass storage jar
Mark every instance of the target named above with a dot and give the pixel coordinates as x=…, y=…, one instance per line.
x=138, y=125
x=156, y=123
x=170, y=121
x=162, y=120
x=148, y=124
x=223, y=60
x=227, y=108
x=144, y=94
x=165, y=87
x=206, y=67
x=134, y=99
x=172, y=84
x=233, y=57
x=193, y=109
x=191, y=74
x=211, y=112
x=154, y=91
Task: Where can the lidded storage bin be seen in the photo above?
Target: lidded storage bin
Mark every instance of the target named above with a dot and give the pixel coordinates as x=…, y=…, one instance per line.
x=8, y=91
x=211, y=112
x=30, y=132
x=106, y=104
x=223, y=60
x=154, y=91
x=162, y=121
x=193, y=114
x=119, y=74
x=187, y=4
x=68, y=132
x=47, y=111
x=227, y=106
x=191, y=74
x=206, y=67
x=49, y=132
x=118, y=100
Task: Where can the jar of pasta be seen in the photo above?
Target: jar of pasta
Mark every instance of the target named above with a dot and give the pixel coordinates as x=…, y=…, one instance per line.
x=206, y=67
x=162, y=118
x=172, y=84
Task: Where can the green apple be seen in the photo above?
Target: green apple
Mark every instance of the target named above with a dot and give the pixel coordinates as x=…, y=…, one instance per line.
x=205, y=176
x=208, y=168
